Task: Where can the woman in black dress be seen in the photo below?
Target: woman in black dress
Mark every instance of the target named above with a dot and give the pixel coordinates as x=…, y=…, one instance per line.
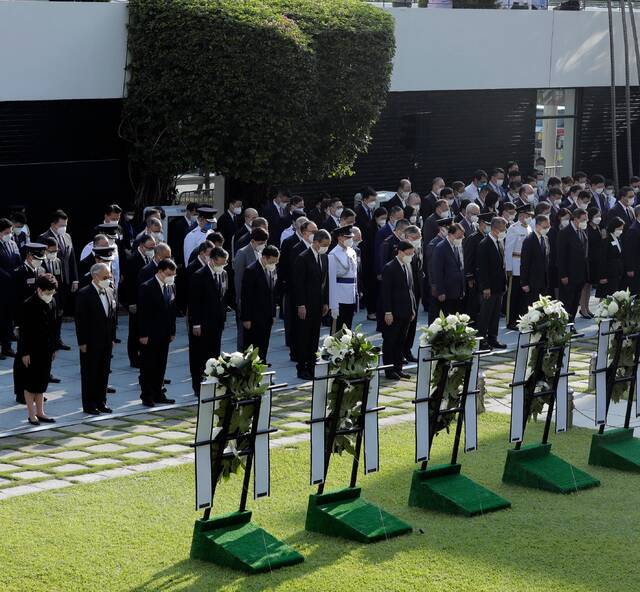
x=562, y=219
x=595, y=255
x=37, y=346
x=612, y=270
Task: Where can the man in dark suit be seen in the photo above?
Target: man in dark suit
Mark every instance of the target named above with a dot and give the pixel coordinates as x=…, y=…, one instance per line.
x=285, y=264
x=95, y=330
x=140, y=256
x=157, y=329
x=572, y=250
x=447, y=267
x=364, y=212
x=401, y=198
x=67, y=256
x=430, y=227
x=243, y=230
x=258, y=300
x=469, y=219
x=428, y=203
x=399, y=305
x=53, y=266
x=208, y=291
x=534, y=262
x=492, y=283
x=9, y=260
x=310, y=301
x=630, y=250
x=623, y=208
x=413, y=235
x=160, y=251
x=277, y=215
x=99, y=254
x=335, y=212
x=470, y=251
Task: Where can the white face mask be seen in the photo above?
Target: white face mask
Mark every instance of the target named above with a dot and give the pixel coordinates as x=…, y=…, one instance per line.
x=60, y=230
x=445, y=214
x=527, y=220
x=450, y=202
x=608, y=192
x=149, y=253
x=236, y=211
x=348, y=242
x=128, y=217
x=531, y=198
x=170, y=280
x=500, y=182
x=416, y=244
x=36, y=263
x=564, y=223
x=45, y=297
x=371, y=205
x=339, y=212
x=597, y=220
x=406, y=259
x=218, y=268
x=404, y=194
x=544, y=231
x=16, y=230
x=474, y=219
x=270, y=267
x=323, y=250
x=412, y=219
x=457, y=242
x=52, y=256
x=6, y=237
x=381, y=222
x=104, y=284
x=502, y=235
x=259, y=247
x=582, y=225
x=157, y=235
x=617, y=233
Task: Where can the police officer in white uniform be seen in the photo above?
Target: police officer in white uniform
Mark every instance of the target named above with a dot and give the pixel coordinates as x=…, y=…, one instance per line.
x=517, y=232
x=343, y=279
x=206, y=222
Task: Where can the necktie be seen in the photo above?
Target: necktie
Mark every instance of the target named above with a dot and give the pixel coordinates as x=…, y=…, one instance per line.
x=543, y=246
x=166, y=293
x=500, y=249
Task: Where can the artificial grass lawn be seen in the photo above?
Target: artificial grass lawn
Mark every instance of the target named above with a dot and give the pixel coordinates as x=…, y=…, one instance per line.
x=134, y=533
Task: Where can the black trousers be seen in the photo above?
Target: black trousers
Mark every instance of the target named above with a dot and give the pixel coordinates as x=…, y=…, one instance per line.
x=370, y=288
x=452, y=306
x=393, y=340
x=570, y=297
x=411, y=332
x=345, y=316
x=95, y=366
x=259, y=336
x=201, y=349
x=307, y=337
x=133, y=340
x=153, y=365
x=517, y=301
x=489, y=317
x=472, y=303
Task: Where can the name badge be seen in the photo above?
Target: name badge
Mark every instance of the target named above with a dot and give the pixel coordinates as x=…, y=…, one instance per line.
x=31, y=281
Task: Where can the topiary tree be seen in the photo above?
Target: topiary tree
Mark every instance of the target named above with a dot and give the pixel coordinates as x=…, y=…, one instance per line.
x=261, y=91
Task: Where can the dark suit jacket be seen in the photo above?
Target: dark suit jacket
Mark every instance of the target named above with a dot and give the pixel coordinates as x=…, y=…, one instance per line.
x=286, y=262
x=241, y=239
x=9, y=260
x=24, y=283
x=310, y=286
x=571, y=256
x=630, y=252
x=430, y=228
x=613, y=266
x=178, y=229
x=37, y=333
x=394, y=201
x=277, y=223
x=330, y=225
x=66, y=254
x=147, y=272
x=470, y=252
x=380, y=237
x=534, y=265
x=227, y=225
x=258, y=299
x=135, y=262
x=156, y=315
x=207, y=301
x=448, y=277
x=490, y=268
x=364, y=216
x=396, y=295
x=620, y=211
x=95, y=328
x=389, y=249
x=467, y=226
x=428, y=205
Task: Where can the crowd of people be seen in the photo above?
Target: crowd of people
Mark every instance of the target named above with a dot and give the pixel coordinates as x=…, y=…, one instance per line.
x=487, y=248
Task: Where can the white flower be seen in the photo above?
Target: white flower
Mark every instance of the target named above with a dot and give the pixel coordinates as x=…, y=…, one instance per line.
x=534, y=316
x=346, y=339
x=210, y=366
x=612, y=308
x=465, y=318
x=236, y=360
x=327, y=341
x=622, y=295
x=452, y=319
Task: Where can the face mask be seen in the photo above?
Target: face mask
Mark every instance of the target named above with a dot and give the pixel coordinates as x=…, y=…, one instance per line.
x=636, y=189
x=6, y=238
x=486, y=230
x=597, y=220
x=157, y=235
x=531, y=198
x=339, y=212
x=474, y=219
x=52, y=256
x=236, y=211
x=348, y=242
x=457, y=242
x=371, y=205
x=597, y=190
x=46, y=297
x=406, y=259
x=170, y=280
x=270, y=267
x=323, y=250
x=60, y=230
x=630, y=201
x=404, y=194
x=259, y=247
x=450, y=202
x=502, y=235
x=564, y=223
x=445, y=214
x=416, y=244
x=16, y=231
x=148, y=253
x=500, y=182
x=582, y=225
x=617, y=233
x=413, y=219
x=36, y=263
x=481, y=186
x=381, y=222
x=104, y=284
x=218, y=269
x=128, y=217
x=544, y=231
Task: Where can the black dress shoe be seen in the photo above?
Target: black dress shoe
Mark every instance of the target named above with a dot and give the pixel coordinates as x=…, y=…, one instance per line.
x=495, y=344
x=148, y=403
x=54, y=379
x=167, y=381
x=33, y=421
x=304, y=375
x=404, y=375
x=8, y=353
x=116, y=340
x=105, y=409
x=166, y=401
x=62, y=346
x=91, y=411
x=44, y=419
x=410, y=357
x=484, y=344
x=392, y=375
x=111, y=390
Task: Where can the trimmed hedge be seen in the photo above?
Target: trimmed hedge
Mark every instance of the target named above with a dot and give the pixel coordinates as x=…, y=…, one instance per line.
x=263, y=91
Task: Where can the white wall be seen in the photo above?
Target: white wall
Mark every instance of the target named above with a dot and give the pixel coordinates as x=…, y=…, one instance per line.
x=62, y=50
x=482, y=49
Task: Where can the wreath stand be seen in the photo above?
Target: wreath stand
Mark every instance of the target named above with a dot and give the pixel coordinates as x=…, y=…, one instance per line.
x=534, y=465
x=442, y=487
x=616, y=448
x=343, y=512
x=232, y=540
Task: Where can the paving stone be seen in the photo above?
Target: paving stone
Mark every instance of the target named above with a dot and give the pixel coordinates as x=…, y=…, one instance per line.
x=10, y=454
x=68, y=468
x=74, y=441
x=12, y=441
x=29, y=474
x=172, y=413
x=33, y=461
x=110, y=423
x=143, y=417
x=86, y=478
x=43, y=435
x=5, y=468
x=140, y=440
x=170, y=423
x=171, y=435
x=19, y=490
x=141, y=429
x=80, y=428
x=70, y=454
x=173, y=448
x=98, y=462
x=105, y=448
x=52, y=484
x=120, y=472
x=141, y=454
x=107, y=434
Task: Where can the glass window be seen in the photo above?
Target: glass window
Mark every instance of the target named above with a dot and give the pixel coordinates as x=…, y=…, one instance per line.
x=555, y=130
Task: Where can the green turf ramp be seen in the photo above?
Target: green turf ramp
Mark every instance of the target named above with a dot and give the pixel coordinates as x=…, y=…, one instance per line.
x=534, y=466
x=616, y=449
x=345, y=514
x=233, y=541
x=444, y=489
